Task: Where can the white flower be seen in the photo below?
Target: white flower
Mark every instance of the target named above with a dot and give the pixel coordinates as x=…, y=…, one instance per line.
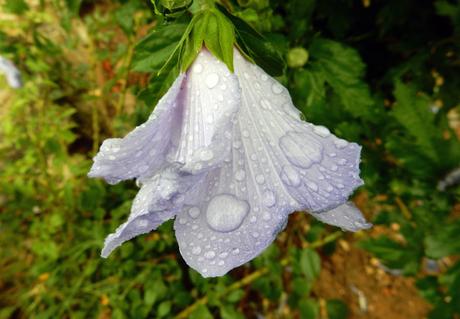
x=229, y=158
x=12, y=74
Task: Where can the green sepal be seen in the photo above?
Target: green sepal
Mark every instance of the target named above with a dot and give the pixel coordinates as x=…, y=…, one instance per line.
x=255, y=46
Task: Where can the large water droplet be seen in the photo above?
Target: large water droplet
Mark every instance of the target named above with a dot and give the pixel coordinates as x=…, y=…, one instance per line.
x=197, y=68
x=260, y=179
x=196, y=250
x=212, y=80
x=268, y=198
x=340, y=143
x=210, y=254
x=300, y=149
x=240, y=175
x=289, y=176
x=277, y=88
x=321, y=131
x=226, y=212
x=206, y=155
x=194, y=212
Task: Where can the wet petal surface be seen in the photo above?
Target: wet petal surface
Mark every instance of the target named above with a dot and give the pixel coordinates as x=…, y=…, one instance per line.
x=279, y=164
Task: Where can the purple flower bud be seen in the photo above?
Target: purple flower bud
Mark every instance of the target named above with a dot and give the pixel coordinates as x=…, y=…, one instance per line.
x=229, y=158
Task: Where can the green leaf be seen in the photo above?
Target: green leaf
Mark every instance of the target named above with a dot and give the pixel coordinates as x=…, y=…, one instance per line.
x=308, y=309
x=336, y=309
x=310, y=264
x=201, y=312
x=255, y=46
x=393, y=254
x=152, y=52
x=220, y=37
x=342, y=68
x=444, y=242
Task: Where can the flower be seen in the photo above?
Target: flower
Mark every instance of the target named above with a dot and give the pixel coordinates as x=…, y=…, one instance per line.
x=12, y=74
x=227, y=155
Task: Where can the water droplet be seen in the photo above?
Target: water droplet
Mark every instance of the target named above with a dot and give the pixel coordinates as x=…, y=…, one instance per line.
x=340, y=143
x=334, y=167
x=196, y=250
x=221, y=263
x=235, y=251
x=225, y=212
x=342, y=161
x=197, y=68
x=253, y=219
x=312, y=186
x=210, y=254
x=265, y=104
x=266, y=216
x=112, y=158
x=245, y=133
x=212, y=80
x=182, y=221
x=264, y=77
x=240, y=175
x=268, y=198
x=277, y=88
x=206, y=155
x=223, y=255
x=255, y=234
x=237, y=144
x=194, y=212
x=142, y=223
x=300, y=149
x=321, y=131
x=289, y=176
x=260, y=179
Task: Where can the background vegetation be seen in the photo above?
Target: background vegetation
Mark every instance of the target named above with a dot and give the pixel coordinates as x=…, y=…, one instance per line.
x=382, y=73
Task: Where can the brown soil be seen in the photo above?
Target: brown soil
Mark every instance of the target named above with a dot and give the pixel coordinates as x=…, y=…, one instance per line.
x=356, y=278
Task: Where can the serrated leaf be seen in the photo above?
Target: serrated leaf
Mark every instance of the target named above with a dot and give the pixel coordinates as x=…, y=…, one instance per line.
x=343, y=69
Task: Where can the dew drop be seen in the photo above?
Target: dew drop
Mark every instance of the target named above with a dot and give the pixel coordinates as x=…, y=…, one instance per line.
x=196, y=250
x=223, y=255
x=221, y=263
x=194, y=212
x=321, y=131
x=225, y=212
x=289, y=176
x=240, y=175
x=342, y=161
x=245, y=133
x=206, y=155
x=300, y=149
x=182, y=221
x=235, y=251
x=142, y=223
x=312, y=186
x=197, y=68
x=340, y=143
x=212, y=80
x=277, y=88
x=260, y=179
x=268, y=198
x=266, y=216
x=210, y=254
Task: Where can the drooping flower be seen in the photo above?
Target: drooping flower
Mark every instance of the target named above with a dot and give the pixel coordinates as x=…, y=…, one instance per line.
x=228, y=156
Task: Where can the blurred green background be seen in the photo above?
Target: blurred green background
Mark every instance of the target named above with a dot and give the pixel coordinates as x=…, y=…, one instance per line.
x=385, y=74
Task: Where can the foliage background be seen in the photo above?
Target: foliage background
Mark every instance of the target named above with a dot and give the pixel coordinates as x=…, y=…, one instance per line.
x=381, y=73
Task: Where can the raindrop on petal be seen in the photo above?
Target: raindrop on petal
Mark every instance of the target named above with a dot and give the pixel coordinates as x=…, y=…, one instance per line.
x=225, y=212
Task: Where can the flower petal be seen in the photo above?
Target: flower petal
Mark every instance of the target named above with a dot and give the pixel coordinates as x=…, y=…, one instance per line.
x=157, y=201
x=346, y=216
x=211, y=98
x=279, y=164
x=143, y=150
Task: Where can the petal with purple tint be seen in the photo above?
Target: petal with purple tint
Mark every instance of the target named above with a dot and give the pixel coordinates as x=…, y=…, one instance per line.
x=142, y=151
x=211, y=98
x=346, y=216
x=279, y=164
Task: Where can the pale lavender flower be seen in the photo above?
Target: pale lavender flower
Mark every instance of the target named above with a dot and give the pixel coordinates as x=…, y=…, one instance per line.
x=229, y=158
x=12, y=74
